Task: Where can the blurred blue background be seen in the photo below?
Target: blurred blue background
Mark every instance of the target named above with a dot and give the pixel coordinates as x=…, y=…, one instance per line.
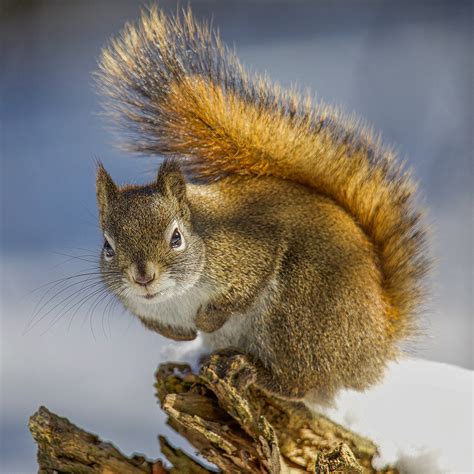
x=403, y=66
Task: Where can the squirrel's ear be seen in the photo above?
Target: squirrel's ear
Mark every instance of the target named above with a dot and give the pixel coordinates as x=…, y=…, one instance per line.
x=106, y=190
x=170, y=180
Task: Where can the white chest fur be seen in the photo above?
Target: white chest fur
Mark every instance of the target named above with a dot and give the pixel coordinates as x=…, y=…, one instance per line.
x=178, y=310
x=232, y=334
x=239, y=330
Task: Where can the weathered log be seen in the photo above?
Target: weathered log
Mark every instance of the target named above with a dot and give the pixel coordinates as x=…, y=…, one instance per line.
x=252, y=432
x=63, y=447
x=239, y=431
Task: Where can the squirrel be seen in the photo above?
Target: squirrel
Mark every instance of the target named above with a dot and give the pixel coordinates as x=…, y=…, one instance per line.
x=285, y=233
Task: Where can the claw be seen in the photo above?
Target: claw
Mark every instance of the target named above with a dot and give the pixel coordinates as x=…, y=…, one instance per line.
x=232, y=367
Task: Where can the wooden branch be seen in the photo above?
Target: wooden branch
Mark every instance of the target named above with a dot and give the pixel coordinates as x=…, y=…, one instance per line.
x=64, y=447
x=253, y=432
x=237, y=432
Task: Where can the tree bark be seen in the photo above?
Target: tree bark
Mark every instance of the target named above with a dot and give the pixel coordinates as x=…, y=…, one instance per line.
x=247, y=432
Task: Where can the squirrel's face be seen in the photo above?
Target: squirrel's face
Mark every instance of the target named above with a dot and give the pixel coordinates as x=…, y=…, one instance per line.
x=150, y=251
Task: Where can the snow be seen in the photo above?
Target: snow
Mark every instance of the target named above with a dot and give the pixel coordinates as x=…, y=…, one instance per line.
x=420, y=416
x=190, y=353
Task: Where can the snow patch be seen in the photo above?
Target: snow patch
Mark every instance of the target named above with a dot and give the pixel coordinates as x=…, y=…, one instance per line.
x=420, y=416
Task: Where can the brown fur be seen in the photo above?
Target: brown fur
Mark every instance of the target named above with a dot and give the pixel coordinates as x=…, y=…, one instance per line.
x=305, y=215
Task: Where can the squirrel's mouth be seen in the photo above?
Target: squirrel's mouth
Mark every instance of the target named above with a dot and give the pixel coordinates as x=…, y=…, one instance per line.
x=150, y=296
x=156, y=293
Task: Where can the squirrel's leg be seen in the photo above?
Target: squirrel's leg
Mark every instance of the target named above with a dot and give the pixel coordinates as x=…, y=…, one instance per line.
x=211, y=317
x=240, y=371
x=177, y=334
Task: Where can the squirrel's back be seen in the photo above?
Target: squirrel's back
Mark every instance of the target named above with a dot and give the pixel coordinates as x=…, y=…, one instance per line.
x=176, y=90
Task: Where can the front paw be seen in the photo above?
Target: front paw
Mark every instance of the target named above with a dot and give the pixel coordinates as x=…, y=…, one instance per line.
x=232, y=367
x=176, y=334
x=210, y=319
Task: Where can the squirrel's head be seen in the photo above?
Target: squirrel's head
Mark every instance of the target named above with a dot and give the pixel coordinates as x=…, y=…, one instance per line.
x=150, y=251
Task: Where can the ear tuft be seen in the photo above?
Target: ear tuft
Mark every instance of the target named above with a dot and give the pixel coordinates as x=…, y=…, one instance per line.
x=170, y=180
x=106, y=191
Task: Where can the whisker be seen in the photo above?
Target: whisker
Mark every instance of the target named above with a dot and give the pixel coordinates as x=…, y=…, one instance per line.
x=82, y=249
x=109, y=307
x=40, y=305
x=89, y=258
x=67, y=298
x=91, y=277
x=88, y=270
x=91, y=311
x=70, y=304
x=83, y=301
x=63, y=313
x=115, y=301
x=90, y=281
x=99, y=300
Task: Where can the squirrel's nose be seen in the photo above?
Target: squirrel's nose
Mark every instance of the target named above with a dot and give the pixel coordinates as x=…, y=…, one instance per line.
x=143, y=279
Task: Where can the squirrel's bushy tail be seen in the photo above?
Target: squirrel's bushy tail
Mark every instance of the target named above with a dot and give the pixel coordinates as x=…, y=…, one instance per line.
x=176, y=90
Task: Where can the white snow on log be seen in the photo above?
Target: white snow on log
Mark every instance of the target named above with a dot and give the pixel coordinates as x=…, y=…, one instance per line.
x=421, y=416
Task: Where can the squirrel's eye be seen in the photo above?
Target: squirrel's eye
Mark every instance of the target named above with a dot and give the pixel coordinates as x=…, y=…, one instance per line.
x=109, y=252
x=176, y=241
